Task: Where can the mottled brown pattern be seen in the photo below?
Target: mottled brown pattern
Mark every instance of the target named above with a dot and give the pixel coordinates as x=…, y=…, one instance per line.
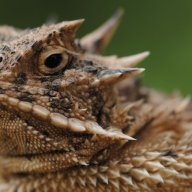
x=73, y=120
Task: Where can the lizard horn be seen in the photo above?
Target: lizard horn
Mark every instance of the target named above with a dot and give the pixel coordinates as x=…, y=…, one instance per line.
x=97, y=40
x=116, y=75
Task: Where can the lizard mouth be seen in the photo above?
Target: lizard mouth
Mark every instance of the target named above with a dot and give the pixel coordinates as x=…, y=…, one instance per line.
x=58, y=120
x=56, y=157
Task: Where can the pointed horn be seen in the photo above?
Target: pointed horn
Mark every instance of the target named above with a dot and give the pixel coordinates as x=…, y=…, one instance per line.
x=132, y=60
x=114, y=62
x=72, y=26
x=97, y=41
x=114, y=76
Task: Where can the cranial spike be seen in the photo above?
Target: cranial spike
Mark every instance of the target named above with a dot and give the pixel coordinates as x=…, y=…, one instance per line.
x=96, y=41
x=114, y=76
x=115, y=63
x=121, y=72
x=132, y=60
x=65, y=28
x=70, y=26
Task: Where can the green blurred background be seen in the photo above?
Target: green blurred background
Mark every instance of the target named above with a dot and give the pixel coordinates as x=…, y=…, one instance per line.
x=163, y=27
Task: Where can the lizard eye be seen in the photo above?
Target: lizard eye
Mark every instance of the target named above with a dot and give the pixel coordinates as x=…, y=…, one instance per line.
x=52, y=60
x=1, y=58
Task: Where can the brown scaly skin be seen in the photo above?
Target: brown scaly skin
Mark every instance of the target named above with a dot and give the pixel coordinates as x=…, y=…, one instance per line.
x=72, y=120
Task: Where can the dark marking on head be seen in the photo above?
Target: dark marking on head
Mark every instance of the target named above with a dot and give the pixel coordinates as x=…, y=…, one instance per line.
x=52, y=93
x=90, y=69
x=46, y=92
x=95, y=96
x=103, y=118
x=52, y=88
x=37, y=46
x=26, y=97
x=13, y=52
x=18, y=58
x=18, y=87
x=62, y=33
x=71, y=65
x=84, y=63
x=21, y=78
x=48, y=80
x=49, y=38
x=61, y=104
x=55, y=85
x=6, y=48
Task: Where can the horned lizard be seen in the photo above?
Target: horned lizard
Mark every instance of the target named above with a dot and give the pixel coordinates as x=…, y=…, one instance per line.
x=73, y=120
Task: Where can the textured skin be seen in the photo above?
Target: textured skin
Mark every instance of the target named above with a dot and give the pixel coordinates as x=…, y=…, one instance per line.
x=82, y=122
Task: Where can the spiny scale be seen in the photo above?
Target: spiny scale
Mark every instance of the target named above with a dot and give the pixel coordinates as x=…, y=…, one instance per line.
x=73, y=120
x=96, y=41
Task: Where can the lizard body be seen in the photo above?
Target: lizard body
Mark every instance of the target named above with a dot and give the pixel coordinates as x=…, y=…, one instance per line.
x=73, y=120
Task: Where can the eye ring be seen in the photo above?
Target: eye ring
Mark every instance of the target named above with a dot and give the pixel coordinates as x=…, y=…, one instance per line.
x=1, y=58
x=52, y=59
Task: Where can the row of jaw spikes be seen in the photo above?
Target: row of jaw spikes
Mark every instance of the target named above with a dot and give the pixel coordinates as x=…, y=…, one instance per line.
x=60, y=121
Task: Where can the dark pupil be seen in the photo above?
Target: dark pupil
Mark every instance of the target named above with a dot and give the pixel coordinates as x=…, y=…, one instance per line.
x=53, y=60
x=1, y=59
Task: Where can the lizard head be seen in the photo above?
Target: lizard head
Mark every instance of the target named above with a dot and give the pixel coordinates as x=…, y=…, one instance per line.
x=60, y=103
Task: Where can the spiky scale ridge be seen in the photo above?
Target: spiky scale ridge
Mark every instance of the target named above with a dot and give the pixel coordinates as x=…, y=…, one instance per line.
x=73, y=120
